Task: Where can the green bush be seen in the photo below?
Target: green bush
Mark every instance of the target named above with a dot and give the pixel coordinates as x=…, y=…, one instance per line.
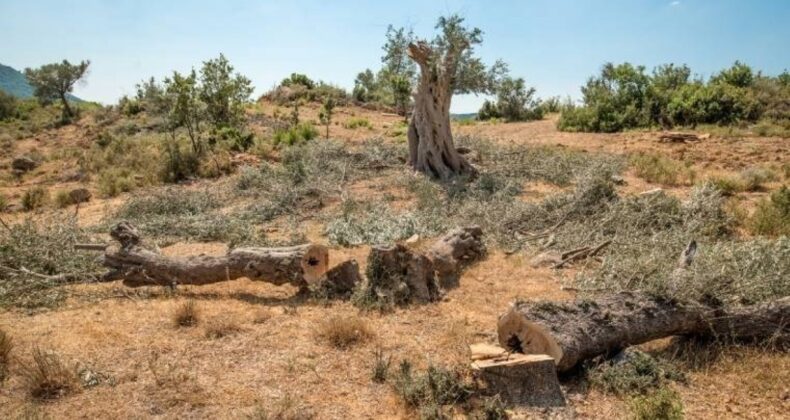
x=514, y=102
x=115, y=181
x=624, y=97
x=664, y=404
x=656, y=168
x=635, y=372
x=772, y=217
x=35, y=198
x=8, y=106
x=753, y=178
x=298, y=134
x=357, y=122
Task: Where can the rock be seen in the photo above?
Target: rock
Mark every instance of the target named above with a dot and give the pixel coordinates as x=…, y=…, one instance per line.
x=413, y=239
x=24, y=164
x=653, y=191
x=618, y=180
x=80, y=195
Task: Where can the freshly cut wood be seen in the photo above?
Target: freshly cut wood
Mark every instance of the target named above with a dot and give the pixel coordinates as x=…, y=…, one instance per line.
x=573, y=332
x=453, y=251
x=300, y=265
x=485, y=351
x=400, y=274
x=522, y=379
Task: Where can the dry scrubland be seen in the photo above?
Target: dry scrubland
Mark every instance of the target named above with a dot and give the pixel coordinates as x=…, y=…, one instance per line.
x=244, y=349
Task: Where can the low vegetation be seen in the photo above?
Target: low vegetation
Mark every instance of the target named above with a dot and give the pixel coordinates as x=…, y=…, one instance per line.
x=186, y=314
x=343, y=332
x=664, y=403
x=47, y=377
x=624, y=97
x=6, y=345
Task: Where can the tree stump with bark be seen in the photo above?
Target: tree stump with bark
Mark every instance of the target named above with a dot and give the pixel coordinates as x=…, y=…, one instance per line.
x=521, y=379
x=573, y=332
x=400, y=275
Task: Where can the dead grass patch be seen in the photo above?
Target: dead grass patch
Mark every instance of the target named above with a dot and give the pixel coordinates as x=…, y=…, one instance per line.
x=46, y=376
x=343, y=332
x=219, y=328
x=187, y=314
x=6, y=345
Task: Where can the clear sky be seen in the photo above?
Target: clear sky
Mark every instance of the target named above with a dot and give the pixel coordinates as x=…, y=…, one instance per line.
x=554, y=44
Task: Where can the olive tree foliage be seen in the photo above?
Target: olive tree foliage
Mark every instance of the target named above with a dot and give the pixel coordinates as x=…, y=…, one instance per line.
x=224, y=92
x=55, y=81
x=394, y=82
x=326, y=112
x=8, y=106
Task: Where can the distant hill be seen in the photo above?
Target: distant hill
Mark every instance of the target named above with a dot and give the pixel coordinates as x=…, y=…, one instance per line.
x=14, y=82
x=461, y=117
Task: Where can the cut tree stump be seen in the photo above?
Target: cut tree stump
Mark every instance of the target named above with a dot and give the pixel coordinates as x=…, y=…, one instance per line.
x=301, y=265
x=522, y=379
x=400, y=274
x=573, y=332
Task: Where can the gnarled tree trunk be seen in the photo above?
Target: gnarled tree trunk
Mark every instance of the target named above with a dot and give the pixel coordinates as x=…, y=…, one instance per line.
x=573, y=332
x=431, y=148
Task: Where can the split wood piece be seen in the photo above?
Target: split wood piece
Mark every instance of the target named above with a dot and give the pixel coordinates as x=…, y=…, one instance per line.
x=452, y=252
x=522, y=380
x=581, y=253
x=485, y=351
x=300, y=265
x=676, y=137
x=340, y=281
x=402, y=275
x=573, y=332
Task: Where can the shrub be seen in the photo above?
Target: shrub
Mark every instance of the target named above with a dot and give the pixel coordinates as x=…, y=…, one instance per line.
x=438, y=386
x=186, y=315
x=727, y=185
x=297, y=134
x=47, y=377
x=381, y=366
x=633, y=372
x=344, y=332
x=662, y=170
x=8, y=106
x=114, y=181
x=772, y=217
x=6, y=345
x=662, y=404
x=35, y=198
x=753, y=178
x=63, y=199
x=514, y=102
x=357, y=122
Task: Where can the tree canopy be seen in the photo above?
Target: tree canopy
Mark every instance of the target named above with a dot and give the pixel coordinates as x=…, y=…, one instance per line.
x=55, y=81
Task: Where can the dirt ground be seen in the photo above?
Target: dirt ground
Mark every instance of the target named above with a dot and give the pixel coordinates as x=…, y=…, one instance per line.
x=149, y=368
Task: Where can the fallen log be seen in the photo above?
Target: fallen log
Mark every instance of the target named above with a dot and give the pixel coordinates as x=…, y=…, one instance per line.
x=677, y=137
x=573, y=332
x=400, y=274
x=300, y=265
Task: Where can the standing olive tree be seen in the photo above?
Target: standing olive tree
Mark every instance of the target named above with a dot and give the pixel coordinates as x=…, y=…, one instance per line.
x=224, y=92
x=55, y=81
x=447, y=66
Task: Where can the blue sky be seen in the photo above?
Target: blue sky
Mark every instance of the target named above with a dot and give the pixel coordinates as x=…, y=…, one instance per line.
x=554, y=44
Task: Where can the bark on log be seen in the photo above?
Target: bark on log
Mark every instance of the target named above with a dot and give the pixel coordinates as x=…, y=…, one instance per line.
x=431, y=148
x=403, y=275
x=300, y=266
x=574, y=332
x=453, y=251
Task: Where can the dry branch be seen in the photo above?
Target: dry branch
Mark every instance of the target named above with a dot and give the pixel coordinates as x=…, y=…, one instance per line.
x=574, y=332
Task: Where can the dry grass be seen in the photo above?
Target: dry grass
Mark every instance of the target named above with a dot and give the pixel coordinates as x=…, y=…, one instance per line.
x=219, y=328
x=343, y=332
x=288, y=408
x=6, y=345
x=46, y=377
x=187, y=314
x=659, y=169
